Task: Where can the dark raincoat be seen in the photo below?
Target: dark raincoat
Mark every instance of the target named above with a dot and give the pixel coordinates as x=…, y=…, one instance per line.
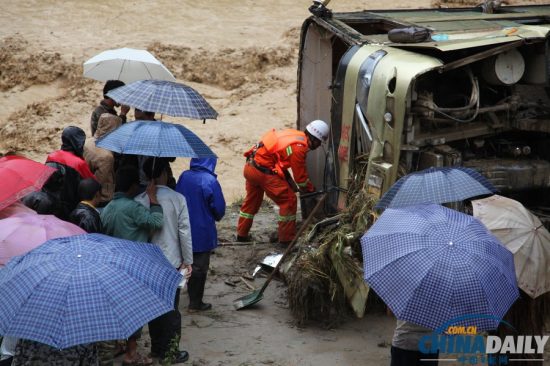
x=73, y=139
x=75, y=168
x=205, y=202
x=87, y=218
x=48, y=200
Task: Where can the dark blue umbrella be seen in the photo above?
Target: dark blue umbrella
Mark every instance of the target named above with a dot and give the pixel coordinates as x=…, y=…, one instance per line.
x=155, y=138
x=166, y=97
x=83, y=289
x=436, y=185
x=431, y=264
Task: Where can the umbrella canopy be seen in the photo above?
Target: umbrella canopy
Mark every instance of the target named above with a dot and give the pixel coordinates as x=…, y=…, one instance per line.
x=436, y=185
x=155, y=138
x=23, y=232
x=524, y=235
x=165, y=97
x=21, y=176
x=15, y=209
x=127, y=65
x=83, y=289
x=431, y=264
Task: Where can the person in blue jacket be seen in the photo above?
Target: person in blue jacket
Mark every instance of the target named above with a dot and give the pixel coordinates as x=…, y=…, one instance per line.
x=206, y=205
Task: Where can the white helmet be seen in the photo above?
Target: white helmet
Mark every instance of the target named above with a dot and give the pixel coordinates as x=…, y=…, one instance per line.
x=318, y=129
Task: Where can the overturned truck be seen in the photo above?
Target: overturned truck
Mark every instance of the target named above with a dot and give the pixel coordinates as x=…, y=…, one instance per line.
x=414, y=89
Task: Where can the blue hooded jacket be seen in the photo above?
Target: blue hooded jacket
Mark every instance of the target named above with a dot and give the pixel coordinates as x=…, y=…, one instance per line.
x=205, y=202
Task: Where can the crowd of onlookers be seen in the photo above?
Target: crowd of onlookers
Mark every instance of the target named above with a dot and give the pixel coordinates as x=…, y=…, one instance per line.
x=135, y=198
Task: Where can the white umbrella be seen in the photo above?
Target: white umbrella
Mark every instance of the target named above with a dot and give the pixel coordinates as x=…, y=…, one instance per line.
x=127, y=65
x=524, y=235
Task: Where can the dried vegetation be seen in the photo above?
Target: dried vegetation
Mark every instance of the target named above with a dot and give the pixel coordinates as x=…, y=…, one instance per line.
x=315, y=290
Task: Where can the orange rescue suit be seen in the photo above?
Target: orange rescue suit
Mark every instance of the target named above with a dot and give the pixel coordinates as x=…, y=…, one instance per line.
x=264, y=171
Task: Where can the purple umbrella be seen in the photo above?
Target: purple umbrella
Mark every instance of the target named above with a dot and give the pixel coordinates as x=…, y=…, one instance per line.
x=21, y=233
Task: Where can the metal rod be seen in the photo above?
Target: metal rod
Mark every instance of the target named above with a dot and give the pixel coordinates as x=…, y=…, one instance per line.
x=363, y=121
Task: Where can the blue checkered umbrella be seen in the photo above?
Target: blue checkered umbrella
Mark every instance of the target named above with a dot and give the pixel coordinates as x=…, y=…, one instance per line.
x=431, y=264
x=155, y=138
x=436, y=185
x=166, y=97
x=83, y=289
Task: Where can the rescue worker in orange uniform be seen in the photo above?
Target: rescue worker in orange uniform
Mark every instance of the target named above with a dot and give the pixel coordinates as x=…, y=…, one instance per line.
x=266, y=170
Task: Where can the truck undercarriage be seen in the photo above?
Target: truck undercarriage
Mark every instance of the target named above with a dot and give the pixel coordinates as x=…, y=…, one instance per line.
x=475, y=94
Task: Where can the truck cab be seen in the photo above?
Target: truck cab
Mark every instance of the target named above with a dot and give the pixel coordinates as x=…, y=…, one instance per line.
x=413, y=89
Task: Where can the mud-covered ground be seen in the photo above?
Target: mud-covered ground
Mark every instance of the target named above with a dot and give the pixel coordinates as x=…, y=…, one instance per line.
x=242, y=56
x=266, y=334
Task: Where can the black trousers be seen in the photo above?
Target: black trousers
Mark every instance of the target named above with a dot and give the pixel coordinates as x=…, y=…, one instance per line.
x=165, y=328
x=195, y=287
x=403, y=357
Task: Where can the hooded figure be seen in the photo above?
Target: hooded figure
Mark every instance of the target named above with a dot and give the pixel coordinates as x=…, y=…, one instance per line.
x=69, y=157
x=102, y=161
x=72, y=140
x=205, y=200
x=47, y=201
x=206, y=205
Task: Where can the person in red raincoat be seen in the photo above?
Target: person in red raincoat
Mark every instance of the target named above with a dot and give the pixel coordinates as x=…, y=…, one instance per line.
x=266, y=170
x=69, y=159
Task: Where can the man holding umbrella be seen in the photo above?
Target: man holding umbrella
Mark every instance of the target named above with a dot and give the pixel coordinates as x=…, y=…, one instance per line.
x=125, y=218
x=404, y=346
x=103, y=162
x=174, y=239
x=150, y=116
x=107, y=105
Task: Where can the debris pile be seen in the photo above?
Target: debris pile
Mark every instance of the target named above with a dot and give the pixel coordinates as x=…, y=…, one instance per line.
x=326, y=274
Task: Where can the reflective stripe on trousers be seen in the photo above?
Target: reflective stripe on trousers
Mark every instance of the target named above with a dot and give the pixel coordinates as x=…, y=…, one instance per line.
x=246, y=215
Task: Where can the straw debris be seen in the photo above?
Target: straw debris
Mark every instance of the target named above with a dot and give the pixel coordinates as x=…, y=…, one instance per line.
x=327, y=266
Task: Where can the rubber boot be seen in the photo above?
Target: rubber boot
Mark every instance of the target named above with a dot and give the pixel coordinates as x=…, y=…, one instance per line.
x=195, y=288
x=6, y=362
x=192, y=289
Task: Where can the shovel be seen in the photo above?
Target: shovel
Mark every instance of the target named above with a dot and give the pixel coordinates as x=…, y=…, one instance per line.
x=256, y=296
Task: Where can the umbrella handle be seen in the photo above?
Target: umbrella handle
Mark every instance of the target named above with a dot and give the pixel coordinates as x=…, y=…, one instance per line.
x=293, y=242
